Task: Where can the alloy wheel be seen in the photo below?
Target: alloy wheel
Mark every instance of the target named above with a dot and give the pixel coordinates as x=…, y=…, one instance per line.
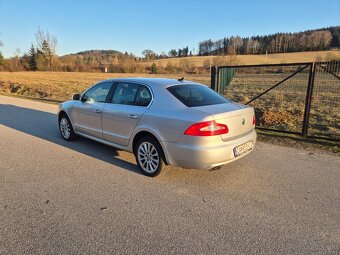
x=148, y=157
x=65, y=128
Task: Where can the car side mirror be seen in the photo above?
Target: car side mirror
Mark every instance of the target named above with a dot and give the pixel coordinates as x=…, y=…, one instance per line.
x=76, y=97
x=83, y=98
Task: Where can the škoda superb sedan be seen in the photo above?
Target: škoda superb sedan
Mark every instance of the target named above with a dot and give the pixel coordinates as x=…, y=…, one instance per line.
x=162, y=121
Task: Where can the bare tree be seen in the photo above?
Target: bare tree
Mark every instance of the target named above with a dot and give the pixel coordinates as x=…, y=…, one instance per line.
x=236, y=42
x=325, y=40
x=148, y=54
x=17, y=52
x=42, y=36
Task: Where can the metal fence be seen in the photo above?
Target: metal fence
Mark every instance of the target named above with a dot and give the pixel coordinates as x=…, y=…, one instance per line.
x=298, y=98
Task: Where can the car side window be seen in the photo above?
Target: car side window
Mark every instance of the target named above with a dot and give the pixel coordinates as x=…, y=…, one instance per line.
x=98, y=93
x=143, y=96
x=125, y=93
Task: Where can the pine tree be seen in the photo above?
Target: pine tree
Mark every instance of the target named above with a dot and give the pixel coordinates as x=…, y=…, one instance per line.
x=46, y=50
x=32, y=57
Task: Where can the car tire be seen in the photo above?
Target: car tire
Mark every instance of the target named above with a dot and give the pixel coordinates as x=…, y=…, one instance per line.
x=149, y=156
x=66, y=129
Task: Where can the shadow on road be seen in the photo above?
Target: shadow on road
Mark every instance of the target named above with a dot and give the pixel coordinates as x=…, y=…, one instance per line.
x=44, y=125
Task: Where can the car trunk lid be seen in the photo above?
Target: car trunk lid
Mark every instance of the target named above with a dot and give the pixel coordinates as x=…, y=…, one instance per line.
x=238, y=118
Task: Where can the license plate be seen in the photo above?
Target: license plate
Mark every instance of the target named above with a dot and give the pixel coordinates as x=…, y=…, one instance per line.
x=243, y=148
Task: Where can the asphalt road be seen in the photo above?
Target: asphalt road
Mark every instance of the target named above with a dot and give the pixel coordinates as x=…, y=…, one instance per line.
x=82, y=197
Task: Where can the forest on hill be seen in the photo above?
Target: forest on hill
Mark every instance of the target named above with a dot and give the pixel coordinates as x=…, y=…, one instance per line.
x=310, y=40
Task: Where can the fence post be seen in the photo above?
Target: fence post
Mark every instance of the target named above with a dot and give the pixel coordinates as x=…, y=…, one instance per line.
x=308, y=101
x=214, y=78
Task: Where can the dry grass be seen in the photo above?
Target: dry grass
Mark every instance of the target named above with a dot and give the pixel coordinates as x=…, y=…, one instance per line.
x=60, y=86
x=256, y=59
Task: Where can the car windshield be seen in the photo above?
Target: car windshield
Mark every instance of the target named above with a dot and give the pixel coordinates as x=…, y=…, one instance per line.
x=196, y=95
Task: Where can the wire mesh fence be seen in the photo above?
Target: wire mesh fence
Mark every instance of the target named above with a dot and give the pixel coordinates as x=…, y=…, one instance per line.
x=301, y=98
x=324, y=119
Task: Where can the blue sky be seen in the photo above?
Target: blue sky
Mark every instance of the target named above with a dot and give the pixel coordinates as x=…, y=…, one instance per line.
x=154, y=24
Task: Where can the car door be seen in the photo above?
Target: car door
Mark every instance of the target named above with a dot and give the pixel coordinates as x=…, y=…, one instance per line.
x=87, y=113
x=120, y=117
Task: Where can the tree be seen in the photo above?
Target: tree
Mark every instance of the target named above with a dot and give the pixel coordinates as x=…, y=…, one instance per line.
x=32, y=58
x=40, y=60
x=46, y=50
x=42, y=36
x=185, y=51
x=205, y=47
x=15, y=61
x=231, y=51
x=47, y=44
x=236, y=42
x=173, y=53
x=163, y=55
x=2, y=60
x=180, y=52
x=325, y=40
x=148, y=54
x=225, y=45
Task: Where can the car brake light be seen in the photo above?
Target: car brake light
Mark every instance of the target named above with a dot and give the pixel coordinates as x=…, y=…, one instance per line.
x=207, y=128
x=254, y=120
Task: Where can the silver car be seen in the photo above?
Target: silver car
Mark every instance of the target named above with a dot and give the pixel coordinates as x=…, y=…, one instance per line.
x=162, y=121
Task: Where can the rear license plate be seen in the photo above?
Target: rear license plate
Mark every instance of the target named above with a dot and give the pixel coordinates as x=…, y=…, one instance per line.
x=243, y=148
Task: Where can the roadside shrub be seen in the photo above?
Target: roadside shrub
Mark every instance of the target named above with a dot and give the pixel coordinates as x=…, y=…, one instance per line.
x=154, y=68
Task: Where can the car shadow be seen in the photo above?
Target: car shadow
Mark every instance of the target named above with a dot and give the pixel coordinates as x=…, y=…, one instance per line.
x=44, y=125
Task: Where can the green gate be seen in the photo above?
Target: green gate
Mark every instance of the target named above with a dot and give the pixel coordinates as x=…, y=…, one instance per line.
x=226, y=76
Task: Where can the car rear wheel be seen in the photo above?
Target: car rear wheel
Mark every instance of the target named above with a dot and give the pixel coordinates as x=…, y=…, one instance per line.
x=66, y=129
x=149, y=156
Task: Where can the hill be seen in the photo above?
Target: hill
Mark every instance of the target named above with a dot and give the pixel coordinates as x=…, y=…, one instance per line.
x=309, y=40
x=98, y=53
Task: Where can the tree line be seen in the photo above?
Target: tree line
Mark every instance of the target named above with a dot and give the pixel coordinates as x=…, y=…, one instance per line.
x=311, y=40
x=42, y=55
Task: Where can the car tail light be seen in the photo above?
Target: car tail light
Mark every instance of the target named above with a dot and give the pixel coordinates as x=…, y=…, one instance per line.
x=207, y=128
x=254, y=120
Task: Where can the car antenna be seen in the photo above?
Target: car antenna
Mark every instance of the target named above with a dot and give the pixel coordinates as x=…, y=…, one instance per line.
x=181, y=79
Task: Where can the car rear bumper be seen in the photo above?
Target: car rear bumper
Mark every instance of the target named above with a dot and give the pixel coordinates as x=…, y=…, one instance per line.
x=205, y=157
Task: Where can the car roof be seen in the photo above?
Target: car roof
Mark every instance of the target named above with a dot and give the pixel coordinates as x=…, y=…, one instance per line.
x=160, y=82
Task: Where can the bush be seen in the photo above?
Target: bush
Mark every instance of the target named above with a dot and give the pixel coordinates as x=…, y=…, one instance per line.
x=154, y=68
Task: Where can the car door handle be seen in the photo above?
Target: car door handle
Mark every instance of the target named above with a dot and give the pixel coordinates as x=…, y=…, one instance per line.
x=131, y=116
x=98, y=111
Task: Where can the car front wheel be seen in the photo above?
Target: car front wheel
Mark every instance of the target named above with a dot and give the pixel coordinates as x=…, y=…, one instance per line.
x=66, y=129
x=149, y=156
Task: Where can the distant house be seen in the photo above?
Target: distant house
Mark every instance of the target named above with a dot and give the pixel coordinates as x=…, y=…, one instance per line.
x=104, y=67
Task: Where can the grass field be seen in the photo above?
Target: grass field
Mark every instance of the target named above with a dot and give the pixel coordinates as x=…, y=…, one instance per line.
x=255, y=59
x=60, y=86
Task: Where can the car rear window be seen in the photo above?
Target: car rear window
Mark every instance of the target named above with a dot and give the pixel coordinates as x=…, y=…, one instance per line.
x=196, y=95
